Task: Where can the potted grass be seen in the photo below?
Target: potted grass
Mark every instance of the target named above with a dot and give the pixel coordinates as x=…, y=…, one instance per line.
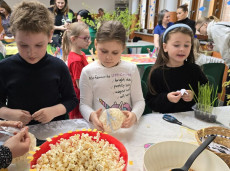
x=205, y=100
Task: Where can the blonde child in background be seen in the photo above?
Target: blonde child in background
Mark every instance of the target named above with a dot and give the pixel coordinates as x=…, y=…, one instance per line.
x=35, y=87
x=77, y=37
x=175, y=69
x=111, y=82
x=200, y=58
x=218, y=32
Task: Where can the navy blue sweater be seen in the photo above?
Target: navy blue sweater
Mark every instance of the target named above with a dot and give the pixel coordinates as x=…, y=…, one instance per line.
x=31, y=87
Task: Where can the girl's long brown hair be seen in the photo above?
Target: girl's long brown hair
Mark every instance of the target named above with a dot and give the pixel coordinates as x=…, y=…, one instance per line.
x=64, y=11
x=163, y=57
x=4, y=5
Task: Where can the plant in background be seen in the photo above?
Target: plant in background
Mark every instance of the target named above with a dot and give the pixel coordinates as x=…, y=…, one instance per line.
x=124, y=16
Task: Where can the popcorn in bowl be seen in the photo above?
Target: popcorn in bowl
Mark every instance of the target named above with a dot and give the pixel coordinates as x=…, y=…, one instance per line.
x=81, y=150
x=112, y=119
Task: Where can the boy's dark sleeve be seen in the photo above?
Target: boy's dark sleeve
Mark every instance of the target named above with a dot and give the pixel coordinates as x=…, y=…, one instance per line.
x=5, y=157
x=2, y=92
x=68, y=95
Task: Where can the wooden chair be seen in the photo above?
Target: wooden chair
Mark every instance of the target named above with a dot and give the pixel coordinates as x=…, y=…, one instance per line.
x=218, y=55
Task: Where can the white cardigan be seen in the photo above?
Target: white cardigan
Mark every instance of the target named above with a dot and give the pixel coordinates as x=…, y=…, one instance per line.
x=220, y=34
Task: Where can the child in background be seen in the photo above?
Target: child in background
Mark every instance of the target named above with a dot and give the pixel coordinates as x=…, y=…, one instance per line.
x=174, y=70
x=111, y=82
x=202, y=59
x=74, y=39
x=34, y=86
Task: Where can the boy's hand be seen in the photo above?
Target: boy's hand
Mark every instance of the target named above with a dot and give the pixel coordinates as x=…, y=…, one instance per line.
x=174, y=97
x=44, y=115
x=188, y=97
x=94, y=118
x=19, y=144
x=20, y=115
x=130, y=120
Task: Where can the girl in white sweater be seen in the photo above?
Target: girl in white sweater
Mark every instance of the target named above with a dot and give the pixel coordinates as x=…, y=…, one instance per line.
x=111, y=82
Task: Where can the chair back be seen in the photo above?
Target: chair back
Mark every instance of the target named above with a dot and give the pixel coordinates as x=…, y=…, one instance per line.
x=215, y=70
x=144, y=49
x=146, y=74
x=1, y=56
x=145, y=90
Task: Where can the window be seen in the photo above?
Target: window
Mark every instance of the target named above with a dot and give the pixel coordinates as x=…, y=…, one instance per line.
x=151, y=14
x=143, y=13
x=148, y=13
x=225, y=15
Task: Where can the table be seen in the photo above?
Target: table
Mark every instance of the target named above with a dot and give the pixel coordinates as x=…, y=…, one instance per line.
x=150, y=128
x=136, y=46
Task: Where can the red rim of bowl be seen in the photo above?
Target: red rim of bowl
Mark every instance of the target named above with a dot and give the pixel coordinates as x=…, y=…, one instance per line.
x=45, y=146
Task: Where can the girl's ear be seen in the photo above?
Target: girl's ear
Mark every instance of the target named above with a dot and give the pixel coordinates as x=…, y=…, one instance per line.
x=165, y=47
x=73, y=38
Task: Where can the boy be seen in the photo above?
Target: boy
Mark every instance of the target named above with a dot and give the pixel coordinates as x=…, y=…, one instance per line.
x=34, y=86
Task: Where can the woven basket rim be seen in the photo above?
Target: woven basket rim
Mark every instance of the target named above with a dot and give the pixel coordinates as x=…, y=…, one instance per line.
x=223, y=156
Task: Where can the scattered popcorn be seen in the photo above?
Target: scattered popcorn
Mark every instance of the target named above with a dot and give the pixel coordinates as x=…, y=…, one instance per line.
x=81, y=153
x=130, y=162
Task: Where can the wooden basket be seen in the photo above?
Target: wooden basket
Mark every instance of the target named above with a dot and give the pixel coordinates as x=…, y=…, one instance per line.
x=220, y=140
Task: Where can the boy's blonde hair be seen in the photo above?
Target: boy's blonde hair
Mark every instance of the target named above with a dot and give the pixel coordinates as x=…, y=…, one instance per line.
x=74, y=29
x=31, y=16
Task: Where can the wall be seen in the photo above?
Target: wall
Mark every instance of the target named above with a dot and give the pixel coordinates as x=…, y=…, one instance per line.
x=170, y=5
x=76, y=5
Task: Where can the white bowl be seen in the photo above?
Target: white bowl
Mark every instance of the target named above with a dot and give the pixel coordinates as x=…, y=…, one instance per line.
x=173, y=154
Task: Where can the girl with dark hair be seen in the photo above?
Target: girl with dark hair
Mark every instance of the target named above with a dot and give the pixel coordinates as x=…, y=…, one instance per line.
x=5, y=12
x=182, y=17
x=174, y=70
x=63, y=16
x=85, y=16
x=163, y=24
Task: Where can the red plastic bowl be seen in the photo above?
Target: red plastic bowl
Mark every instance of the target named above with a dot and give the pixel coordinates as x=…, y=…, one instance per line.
x=46, y=146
